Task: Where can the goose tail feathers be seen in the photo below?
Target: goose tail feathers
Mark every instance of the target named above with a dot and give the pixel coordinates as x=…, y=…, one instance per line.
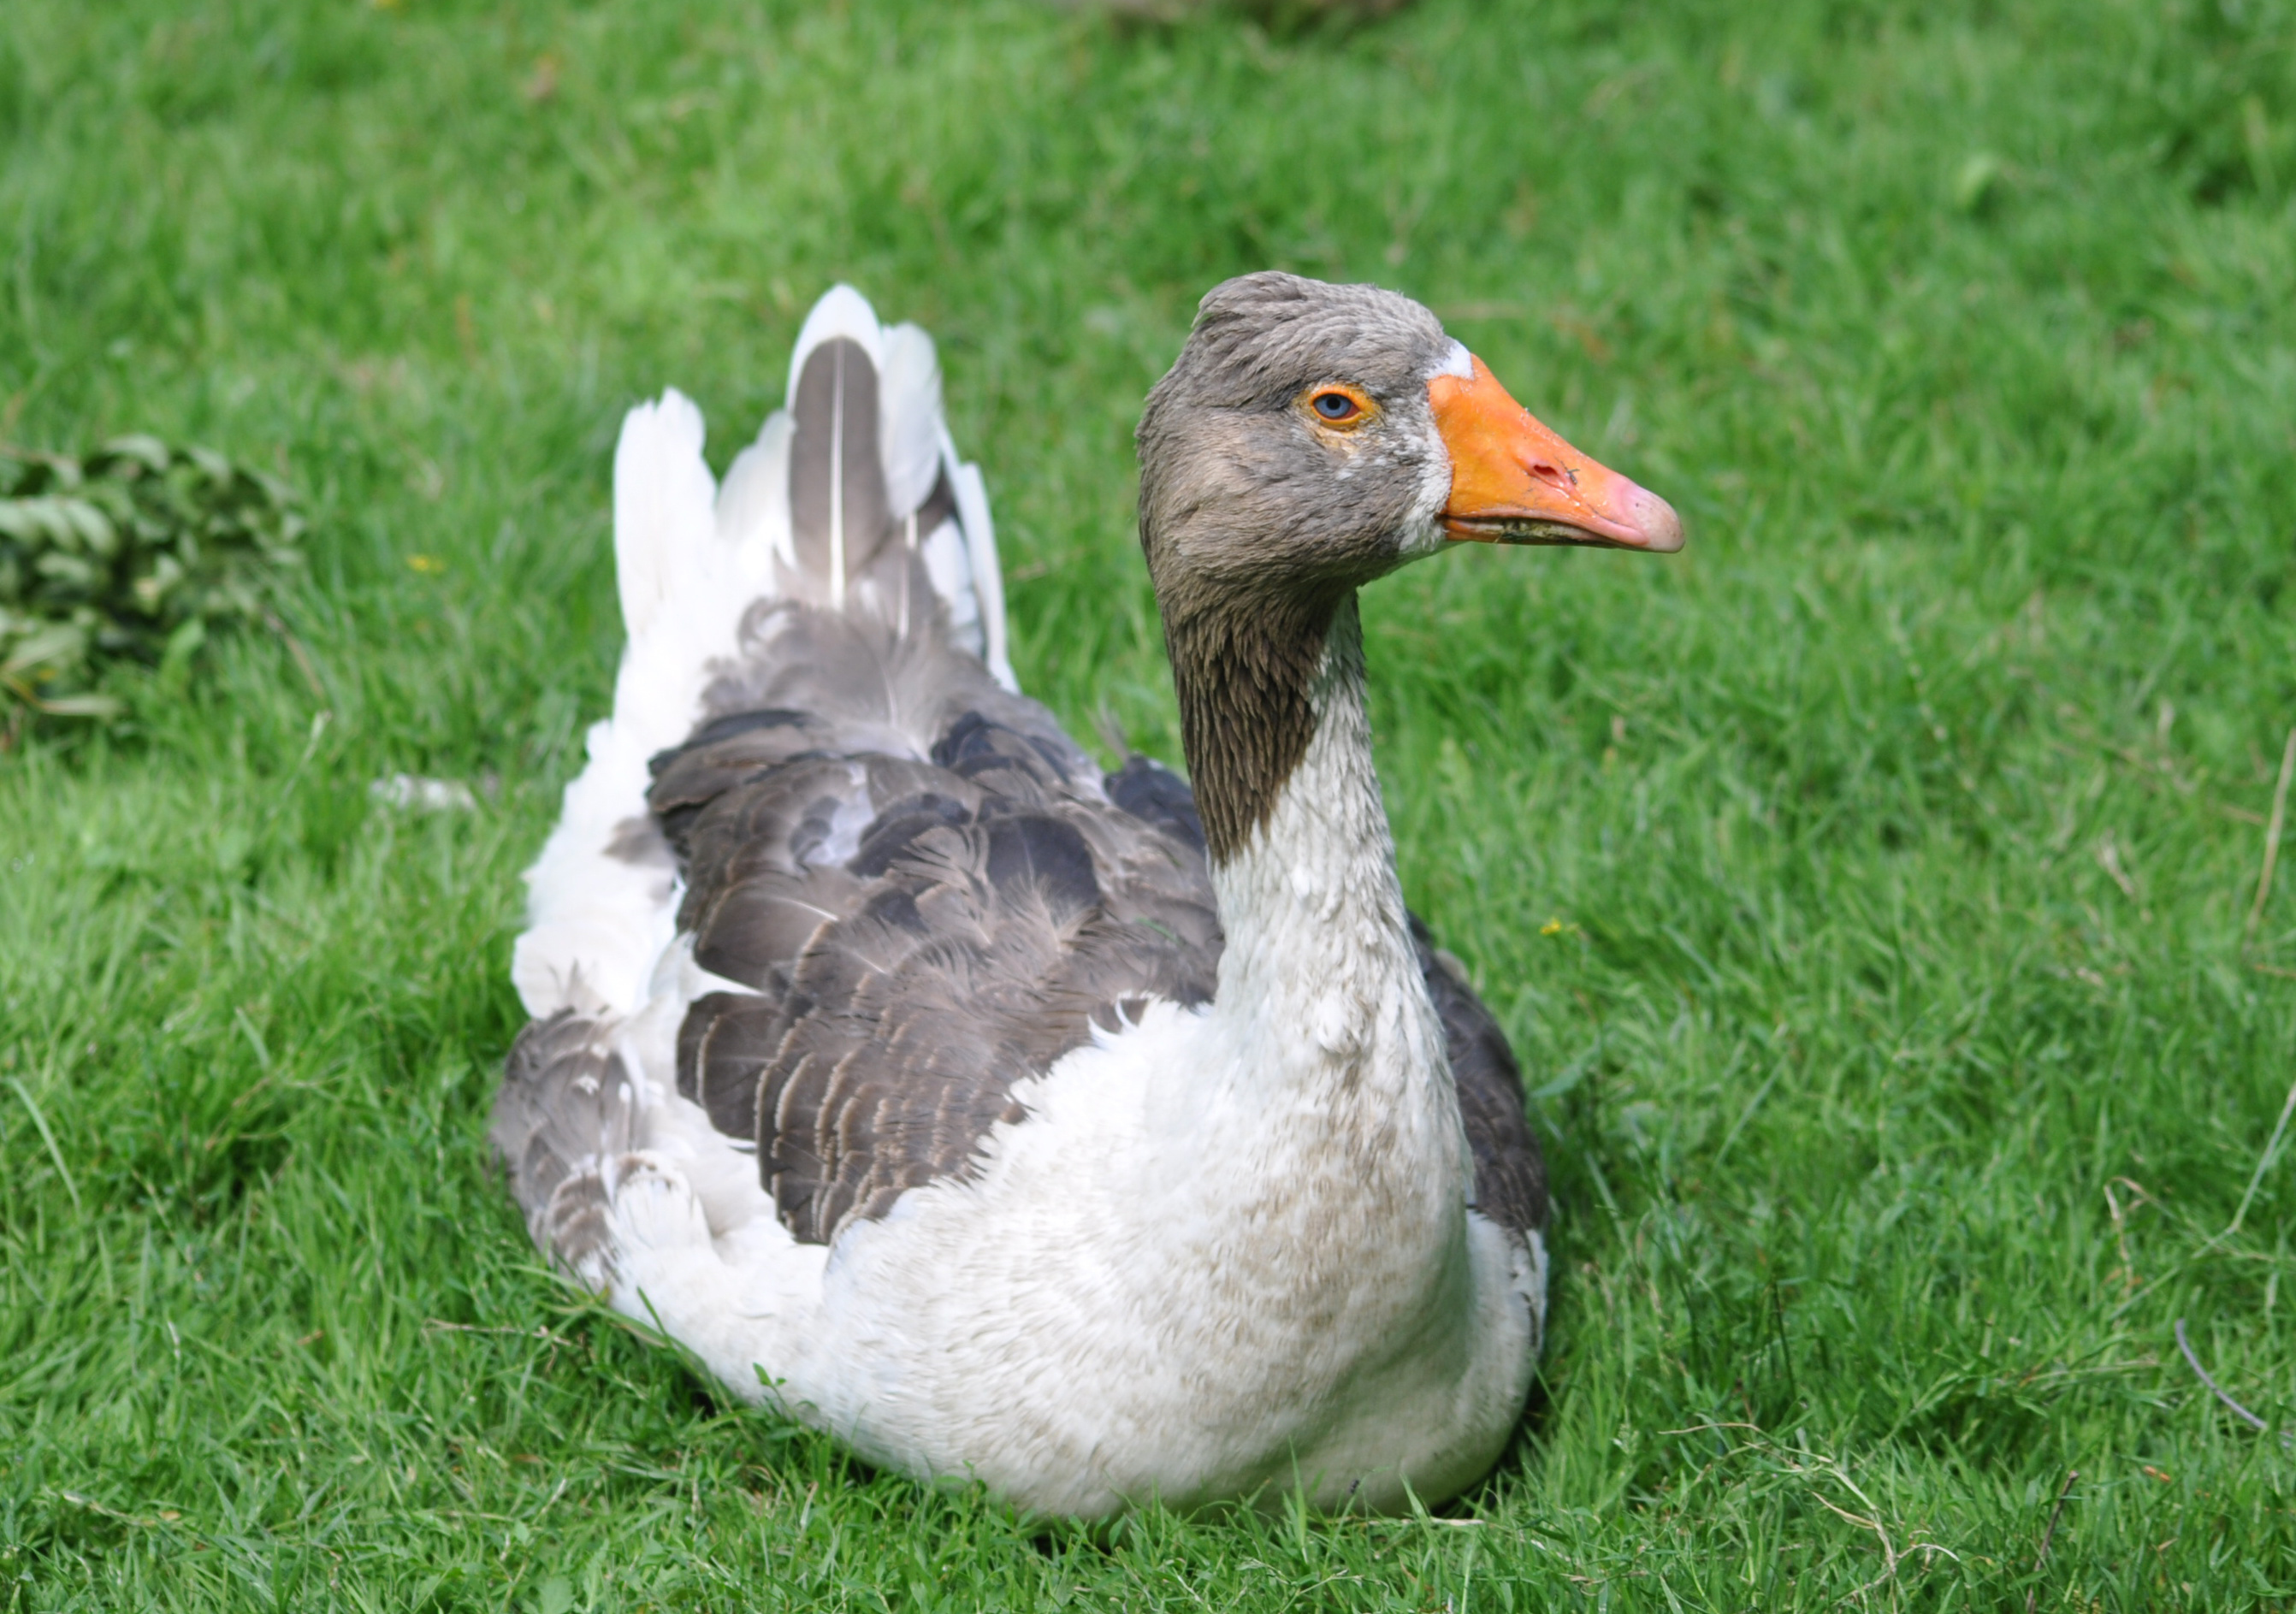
x=851, y=496
x=873, y=482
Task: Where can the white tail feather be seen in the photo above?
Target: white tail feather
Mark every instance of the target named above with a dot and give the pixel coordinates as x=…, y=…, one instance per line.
x=988, y=578
x=661, y=489
x=753, y=512
x=909, y=410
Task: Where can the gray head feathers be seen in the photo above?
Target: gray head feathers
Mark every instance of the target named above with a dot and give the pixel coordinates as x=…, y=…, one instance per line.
x=1258, y=338
x=1260, y=520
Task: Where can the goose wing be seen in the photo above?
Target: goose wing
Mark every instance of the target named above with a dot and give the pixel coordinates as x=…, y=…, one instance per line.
x=904, y=932
x=1510, y=1171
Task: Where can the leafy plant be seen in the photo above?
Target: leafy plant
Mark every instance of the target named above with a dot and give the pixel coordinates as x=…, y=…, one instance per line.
x=133, y=553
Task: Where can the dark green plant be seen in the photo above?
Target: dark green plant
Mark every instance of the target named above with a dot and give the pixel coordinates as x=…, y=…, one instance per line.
x=133, y=553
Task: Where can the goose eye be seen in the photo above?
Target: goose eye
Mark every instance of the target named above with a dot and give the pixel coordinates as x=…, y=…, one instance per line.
x=1336, y=407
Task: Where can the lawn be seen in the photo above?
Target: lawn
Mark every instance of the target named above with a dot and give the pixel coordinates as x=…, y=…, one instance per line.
x=1871, y=890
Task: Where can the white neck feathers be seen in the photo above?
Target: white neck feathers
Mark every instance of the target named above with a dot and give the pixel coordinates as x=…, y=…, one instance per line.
x=1320, y=994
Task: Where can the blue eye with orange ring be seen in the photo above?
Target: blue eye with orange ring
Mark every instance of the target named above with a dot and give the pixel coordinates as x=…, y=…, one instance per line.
x=1334, y=406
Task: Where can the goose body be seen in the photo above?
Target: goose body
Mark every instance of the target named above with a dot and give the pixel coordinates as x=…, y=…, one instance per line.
x=1094, y=1136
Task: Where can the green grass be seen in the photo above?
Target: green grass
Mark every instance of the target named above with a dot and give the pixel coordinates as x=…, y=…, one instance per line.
x=1901, y=1051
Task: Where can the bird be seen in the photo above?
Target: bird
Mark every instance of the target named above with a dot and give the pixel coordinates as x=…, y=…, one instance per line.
x=1105, y=1139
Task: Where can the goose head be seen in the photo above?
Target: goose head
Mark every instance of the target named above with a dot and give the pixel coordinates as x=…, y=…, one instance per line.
x=1311, y=438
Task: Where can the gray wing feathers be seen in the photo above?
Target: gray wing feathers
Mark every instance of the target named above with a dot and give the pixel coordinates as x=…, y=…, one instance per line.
x=928, y=889
x=1510, y=1171
x=563, y=1126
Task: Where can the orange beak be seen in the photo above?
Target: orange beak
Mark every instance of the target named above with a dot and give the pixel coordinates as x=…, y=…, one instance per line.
x=1514, y=481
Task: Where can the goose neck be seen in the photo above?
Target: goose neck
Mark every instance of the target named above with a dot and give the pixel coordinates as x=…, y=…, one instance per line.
x=1318, y=941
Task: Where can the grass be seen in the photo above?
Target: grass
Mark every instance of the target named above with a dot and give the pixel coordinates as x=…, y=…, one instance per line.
x=1868, y=889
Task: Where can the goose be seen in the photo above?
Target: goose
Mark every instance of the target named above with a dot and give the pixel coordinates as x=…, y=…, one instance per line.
x=1102, y=1139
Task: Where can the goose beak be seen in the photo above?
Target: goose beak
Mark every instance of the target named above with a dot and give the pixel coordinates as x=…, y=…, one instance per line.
x=1514, y=481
